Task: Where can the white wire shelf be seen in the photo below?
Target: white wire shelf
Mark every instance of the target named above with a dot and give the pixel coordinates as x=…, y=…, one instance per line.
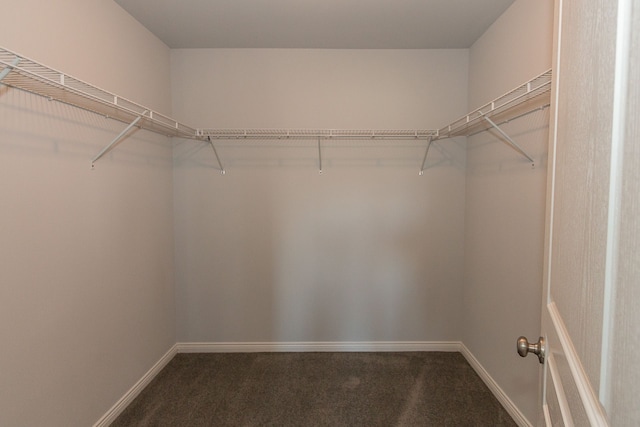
x=28, y=75
x=297, y=134
x=529, y=96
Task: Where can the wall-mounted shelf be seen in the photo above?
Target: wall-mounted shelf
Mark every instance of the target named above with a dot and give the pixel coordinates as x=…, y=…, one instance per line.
x=524, y=99
x=527, y=97
x=313, y=134
x=26, y=74
x=316, y=134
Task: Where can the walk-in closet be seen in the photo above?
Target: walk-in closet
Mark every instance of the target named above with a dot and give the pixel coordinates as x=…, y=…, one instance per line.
x=412, y=180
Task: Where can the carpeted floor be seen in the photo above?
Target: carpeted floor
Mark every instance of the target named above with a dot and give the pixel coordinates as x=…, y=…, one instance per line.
x=316, y=389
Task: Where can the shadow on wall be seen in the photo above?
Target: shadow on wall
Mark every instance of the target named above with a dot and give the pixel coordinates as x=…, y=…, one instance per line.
x=358, y=272
x=36, y=127
x=493, y=154
x=274, y=251
x=305, y=154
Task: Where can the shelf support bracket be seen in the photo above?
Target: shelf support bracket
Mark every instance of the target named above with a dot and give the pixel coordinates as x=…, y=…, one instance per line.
x=222, y=171
x=426, y=152
x=508, y=138
x=319, y=158
x=4, y=73
x=117, y=139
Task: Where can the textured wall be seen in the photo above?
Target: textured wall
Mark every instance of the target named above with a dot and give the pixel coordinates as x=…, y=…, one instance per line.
x=593, y=274
x=624, y=409
x=504, y=216
x=87, y=298
x=272, y=251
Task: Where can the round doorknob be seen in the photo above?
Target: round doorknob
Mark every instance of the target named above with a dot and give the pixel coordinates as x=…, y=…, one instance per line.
x=525, y=347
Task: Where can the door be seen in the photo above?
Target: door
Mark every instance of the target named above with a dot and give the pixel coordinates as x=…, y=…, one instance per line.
x=590, y=320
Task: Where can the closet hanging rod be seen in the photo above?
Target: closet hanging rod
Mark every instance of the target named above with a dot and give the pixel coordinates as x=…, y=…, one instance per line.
x=26, y=74
x=337, y=134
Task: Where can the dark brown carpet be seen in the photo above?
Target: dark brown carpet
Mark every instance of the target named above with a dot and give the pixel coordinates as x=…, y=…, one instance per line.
x=316, y=389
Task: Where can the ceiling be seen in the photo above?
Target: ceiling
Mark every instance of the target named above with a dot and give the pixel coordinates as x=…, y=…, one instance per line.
x=329, y=24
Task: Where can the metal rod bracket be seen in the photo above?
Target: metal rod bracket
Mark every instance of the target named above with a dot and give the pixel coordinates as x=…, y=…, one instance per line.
x=319, y=157
x=222, y=171
x=117, y=139
x=508, y=138
x=424, y=159
x=4, y=73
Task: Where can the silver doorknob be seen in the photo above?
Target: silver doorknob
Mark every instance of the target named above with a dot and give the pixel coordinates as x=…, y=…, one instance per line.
x=524, y=348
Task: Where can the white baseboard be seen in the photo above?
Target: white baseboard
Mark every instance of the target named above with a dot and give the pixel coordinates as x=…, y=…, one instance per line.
x=357, y=346
x=507, y=403
x=134, y=391
x=377, y=346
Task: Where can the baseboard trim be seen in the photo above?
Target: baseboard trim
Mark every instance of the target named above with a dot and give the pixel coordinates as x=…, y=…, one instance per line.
x=269, y=347
x=357, y=346
x=502, y=397
x=134, y=391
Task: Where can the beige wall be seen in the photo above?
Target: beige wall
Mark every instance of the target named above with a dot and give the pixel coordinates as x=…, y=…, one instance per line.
x=86, y=295
x=505, y=200
x=273, y=251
